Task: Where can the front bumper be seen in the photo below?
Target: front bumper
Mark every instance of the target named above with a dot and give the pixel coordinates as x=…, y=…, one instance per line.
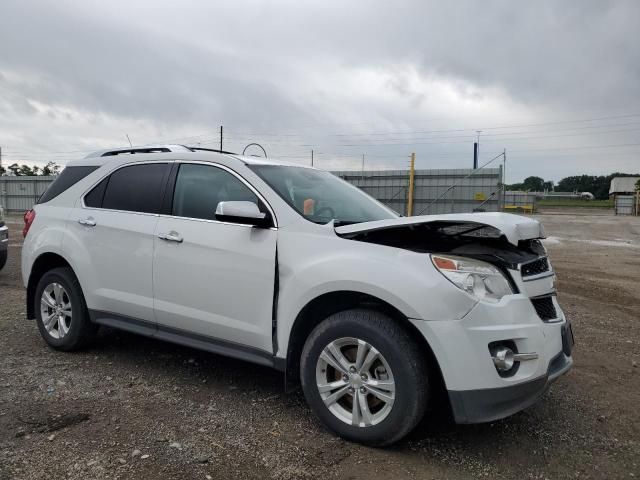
x=476, y=391
x=487, y=405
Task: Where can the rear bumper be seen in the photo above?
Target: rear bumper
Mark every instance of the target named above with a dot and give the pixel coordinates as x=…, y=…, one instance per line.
x=487, y=405
x=4, y=237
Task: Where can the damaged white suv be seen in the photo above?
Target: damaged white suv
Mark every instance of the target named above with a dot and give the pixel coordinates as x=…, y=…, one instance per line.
x=290, y=267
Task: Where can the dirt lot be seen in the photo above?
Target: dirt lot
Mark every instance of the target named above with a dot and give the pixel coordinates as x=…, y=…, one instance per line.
x=135, y=408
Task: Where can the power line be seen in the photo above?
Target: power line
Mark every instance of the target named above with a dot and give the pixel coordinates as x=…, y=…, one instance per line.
x=240, y=136
x=493, y=127
x=485, y=140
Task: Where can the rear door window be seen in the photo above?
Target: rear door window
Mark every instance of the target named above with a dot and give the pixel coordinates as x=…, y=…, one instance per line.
x=67, y=178
x=137, y=188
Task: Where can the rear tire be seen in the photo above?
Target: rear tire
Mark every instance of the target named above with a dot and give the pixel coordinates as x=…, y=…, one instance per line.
x=3, y=258
x=61, y=311
x=364, y=377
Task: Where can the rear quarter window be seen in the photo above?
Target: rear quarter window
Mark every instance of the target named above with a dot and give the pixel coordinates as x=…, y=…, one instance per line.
x=67, y=178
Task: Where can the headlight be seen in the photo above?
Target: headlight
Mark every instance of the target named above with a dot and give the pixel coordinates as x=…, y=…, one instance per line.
x=480, y=279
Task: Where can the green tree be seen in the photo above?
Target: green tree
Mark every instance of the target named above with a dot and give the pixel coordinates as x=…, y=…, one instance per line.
x=27, y=171
x=51, y=168
x=14, y=169
x=548, y=185
x=535, y=184
x=598, y=185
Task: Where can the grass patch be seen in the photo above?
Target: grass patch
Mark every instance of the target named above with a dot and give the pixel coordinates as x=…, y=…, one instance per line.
x=574, y=203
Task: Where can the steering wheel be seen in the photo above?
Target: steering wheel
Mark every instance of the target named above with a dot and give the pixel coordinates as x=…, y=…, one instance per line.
x=332, y=214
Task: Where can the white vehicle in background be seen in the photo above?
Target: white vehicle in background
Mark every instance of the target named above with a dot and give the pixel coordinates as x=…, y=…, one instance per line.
x=4, y=239
x=290, y=267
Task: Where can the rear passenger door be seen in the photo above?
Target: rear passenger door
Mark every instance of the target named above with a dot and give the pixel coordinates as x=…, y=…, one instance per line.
x=213, y=281
x=115, y=224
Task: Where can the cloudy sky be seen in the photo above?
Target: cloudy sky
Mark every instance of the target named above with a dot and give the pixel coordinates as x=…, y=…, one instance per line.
x=556, y=84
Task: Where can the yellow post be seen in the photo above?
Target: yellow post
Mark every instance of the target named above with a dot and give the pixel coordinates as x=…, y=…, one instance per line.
x=412, y=173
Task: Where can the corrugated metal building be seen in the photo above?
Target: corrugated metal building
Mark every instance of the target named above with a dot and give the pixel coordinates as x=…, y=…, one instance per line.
x=623, y=191
x=623, y=185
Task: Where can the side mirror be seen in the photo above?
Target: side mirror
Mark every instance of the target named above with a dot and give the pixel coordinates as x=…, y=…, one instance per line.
x=243, y=212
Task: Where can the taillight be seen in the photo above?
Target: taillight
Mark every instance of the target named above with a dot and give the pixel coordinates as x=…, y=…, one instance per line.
x=29, y=217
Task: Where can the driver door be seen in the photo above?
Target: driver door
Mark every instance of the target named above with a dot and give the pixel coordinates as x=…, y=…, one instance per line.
x=213, y=280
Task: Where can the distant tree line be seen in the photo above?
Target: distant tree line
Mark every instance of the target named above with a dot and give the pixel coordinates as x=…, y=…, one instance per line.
x=596, y=184
x=533, y=184
x=51, y=168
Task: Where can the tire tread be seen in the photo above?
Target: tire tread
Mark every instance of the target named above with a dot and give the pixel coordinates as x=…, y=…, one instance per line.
x=408, y=348
x=83, y=331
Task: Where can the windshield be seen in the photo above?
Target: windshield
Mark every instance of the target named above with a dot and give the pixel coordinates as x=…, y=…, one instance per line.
x=321, y=196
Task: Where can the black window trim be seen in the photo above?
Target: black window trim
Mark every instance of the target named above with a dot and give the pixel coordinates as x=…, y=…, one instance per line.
x=169, y=186
x=171, y=183
x=169, y=163
x=93, y=169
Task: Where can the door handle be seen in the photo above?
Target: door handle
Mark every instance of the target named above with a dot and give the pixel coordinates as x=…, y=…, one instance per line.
x=87, y=222
x=170, y=237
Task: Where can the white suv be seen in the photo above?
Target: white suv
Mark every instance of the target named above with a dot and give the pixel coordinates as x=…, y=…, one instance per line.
x=290, y=267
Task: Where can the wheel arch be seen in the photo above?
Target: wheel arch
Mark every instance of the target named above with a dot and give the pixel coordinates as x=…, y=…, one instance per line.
x=321, y=307
x=45, y=262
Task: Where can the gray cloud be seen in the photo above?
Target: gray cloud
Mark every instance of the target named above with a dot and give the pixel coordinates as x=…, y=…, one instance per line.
x=76, y=76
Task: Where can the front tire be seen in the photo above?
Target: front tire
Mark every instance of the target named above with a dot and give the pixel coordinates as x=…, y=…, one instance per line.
x=61, y=311
x=364, y=377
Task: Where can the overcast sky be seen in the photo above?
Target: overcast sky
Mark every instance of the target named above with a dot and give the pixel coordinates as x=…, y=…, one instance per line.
x=556, y=84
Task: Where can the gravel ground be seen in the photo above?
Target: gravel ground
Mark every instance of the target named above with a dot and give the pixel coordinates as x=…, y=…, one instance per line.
x=135, y=408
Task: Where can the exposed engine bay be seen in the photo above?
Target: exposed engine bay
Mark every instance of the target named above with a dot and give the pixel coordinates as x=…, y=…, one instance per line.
x=463, y=238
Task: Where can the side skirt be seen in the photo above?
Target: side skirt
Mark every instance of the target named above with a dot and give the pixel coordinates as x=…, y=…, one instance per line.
x=188, y=339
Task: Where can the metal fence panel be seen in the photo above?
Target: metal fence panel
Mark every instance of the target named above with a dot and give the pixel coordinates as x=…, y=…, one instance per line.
x=18, y=194
x=436, y=191
x=520, y=199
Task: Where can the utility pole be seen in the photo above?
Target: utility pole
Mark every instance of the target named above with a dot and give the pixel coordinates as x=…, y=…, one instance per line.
x=504, y=176
x=130, y=144
x=475, y=155
x=412, y=172
x=504, y=162
x=0, y=160
x=478, y=140
x=312, y=157
x=221, y=137
x=363, y=165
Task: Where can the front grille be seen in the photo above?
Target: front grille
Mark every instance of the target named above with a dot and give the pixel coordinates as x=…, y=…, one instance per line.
x=544, y=307
x=536, y=267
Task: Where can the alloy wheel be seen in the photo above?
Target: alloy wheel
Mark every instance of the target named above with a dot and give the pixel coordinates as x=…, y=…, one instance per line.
x=55, y=307
x=355, y=382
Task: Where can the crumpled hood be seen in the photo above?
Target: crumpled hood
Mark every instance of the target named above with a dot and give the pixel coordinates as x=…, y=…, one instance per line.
x=513, y=227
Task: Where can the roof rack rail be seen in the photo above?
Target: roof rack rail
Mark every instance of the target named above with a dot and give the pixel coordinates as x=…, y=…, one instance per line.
x=151, y=149
x=198, y=149
x=135, y=150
